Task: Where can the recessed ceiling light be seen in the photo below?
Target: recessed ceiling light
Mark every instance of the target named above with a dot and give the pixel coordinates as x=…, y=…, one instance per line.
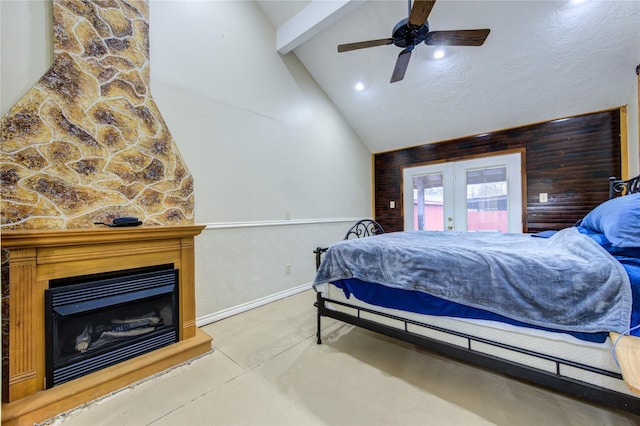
x=359, y=86
x=439, y=53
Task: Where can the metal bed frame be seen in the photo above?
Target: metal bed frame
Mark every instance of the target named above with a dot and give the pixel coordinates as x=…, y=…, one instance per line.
x=362, y=228
x=623, y=187
x=552, y=380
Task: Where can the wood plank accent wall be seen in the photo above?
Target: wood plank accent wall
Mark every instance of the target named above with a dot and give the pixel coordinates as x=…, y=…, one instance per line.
x=570, y=159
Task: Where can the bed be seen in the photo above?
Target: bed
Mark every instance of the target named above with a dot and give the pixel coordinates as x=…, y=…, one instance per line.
x=476, y=297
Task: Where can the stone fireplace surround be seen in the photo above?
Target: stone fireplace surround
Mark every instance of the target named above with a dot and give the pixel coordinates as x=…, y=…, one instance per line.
x=38, y=256
x=87, y=144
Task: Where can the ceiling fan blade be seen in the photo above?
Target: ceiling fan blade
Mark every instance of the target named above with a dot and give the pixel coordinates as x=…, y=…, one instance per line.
x=401, y=66
x=363, y=44
x=457, y=37
x=420, y=12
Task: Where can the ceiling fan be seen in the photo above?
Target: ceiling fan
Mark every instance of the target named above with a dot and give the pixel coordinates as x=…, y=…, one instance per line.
x=411, y=31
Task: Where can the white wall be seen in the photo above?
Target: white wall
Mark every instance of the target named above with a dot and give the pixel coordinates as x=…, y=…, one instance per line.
x=26, y=47
x=277, y=171
x=264, y=144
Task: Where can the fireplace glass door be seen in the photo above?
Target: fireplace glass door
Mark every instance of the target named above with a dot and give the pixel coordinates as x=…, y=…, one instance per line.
x=94, y=322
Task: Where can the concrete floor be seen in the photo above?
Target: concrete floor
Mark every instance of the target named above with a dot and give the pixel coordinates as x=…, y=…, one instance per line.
x=266, y=369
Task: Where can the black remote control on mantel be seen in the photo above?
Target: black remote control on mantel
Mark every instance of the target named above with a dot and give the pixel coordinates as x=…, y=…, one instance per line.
x=122, y=221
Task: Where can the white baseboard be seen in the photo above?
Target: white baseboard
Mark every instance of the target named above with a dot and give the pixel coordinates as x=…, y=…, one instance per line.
x=225, y=313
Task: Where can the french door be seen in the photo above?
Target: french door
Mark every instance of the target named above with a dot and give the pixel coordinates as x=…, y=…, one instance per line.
x=482, y=194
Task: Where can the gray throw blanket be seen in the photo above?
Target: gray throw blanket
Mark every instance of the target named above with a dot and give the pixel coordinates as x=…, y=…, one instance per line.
x=566, y=282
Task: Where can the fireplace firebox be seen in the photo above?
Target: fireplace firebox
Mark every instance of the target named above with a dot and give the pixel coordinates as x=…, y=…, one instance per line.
x=95, y=321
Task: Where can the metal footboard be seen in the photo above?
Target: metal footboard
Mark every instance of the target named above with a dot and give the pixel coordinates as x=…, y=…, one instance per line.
x=552, y=380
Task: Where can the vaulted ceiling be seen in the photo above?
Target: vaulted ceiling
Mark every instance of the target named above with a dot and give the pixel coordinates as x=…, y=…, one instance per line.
x=542, y=60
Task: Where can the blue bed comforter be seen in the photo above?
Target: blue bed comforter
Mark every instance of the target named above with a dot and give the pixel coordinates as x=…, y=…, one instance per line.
x=567, y=282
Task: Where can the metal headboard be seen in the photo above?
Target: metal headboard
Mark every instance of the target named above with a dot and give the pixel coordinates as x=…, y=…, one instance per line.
x=623, y=187
x=364, y=228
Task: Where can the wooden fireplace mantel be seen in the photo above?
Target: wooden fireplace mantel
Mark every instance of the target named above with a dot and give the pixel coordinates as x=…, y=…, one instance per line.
x=38, y=256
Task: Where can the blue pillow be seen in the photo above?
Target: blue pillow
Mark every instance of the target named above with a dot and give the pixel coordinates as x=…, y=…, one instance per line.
x=618, y=219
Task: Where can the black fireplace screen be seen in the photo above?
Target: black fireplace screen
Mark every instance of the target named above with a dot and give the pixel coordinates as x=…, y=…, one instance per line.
x=93, y=322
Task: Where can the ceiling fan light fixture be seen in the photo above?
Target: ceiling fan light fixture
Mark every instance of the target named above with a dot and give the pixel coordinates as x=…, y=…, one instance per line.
x=414, y=30
x=439, y=53
x=359, y=86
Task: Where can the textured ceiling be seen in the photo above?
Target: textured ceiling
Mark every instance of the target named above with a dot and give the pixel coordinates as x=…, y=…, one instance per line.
x=542, y=60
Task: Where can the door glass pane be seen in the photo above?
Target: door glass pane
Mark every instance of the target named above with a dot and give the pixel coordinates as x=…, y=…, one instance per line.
x=487, y=199
x=428, y=202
